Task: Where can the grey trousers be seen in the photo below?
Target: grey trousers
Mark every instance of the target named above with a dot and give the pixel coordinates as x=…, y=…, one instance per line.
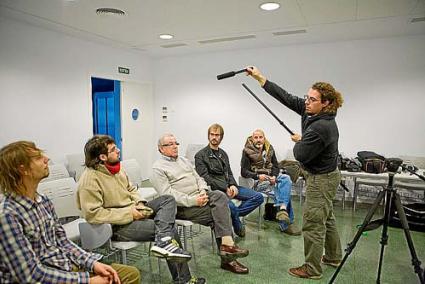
x=216, y=214
x=162, y=224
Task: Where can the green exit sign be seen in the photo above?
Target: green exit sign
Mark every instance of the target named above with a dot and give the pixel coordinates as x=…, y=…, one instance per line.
x=123, y=70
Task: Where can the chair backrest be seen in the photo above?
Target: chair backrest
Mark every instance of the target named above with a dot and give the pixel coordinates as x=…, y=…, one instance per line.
x=133, y=170
x=62, y=194
x=246, y=182
x=56, y=171
x=148, y=193
x=75, y=165
x=94, y=236
x=191, y=151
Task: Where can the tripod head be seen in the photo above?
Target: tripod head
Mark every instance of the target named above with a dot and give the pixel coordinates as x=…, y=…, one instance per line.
x=393, y=164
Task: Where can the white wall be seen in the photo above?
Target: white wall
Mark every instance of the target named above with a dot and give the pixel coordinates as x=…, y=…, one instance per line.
x=382, y=81
x=45, y=91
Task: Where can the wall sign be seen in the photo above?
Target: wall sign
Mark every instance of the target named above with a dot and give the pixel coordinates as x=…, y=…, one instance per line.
x=123, y=70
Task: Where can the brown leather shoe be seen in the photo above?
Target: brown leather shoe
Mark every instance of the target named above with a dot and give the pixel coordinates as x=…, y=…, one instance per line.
x=235, y=267
x=229, y=253
x=302, y=272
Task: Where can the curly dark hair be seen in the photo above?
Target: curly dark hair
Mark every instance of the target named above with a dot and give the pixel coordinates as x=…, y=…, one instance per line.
x=328, y=93
x=96, y=146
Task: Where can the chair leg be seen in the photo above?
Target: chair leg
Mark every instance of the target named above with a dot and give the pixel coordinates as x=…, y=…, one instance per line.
x=213, y=240
x=260, y=217
x=184, y=237
x=124, y=257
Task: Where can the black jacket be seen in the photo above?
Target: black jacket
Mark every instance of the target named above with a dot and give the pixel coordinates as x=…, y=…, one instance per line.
x=318, y=149
x=216, y=171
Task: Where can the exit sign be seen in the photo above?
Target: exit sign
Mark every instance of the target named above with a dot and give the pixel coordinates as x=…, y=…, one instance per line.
x=123, y=70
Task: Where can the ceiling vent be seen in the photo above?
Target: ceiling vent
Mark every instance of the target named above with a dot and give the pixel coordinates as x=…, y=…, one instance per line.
x=110, y=11
x=172, y=45
x=419, y=19
x=289, y=32
x=224, y=39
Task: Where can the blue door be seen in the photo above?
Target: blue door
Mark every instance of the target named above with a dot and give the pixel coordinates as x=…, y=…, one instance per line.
x=107, y=113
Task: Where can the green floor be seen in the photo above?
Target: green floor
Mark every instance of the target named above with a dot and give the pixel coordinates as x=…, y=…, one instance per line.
x=272, y=253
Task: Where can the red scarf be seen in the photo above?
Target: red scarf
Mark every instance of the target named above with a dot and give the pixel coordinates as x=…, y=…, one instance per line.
x=113, y=169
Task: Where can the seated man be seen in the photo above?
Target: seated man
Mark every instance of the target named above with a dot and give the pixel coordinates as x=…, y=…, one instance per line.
x=175, y=176
x=33, y=244
x=105, y=195
x=212, y=163
x=259, y=163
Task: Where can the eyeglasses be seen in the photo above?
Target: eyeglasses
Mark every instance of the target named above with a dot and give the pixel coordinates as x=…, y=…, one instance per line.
x=171, y=144
x=114, y=149
x=310, y=99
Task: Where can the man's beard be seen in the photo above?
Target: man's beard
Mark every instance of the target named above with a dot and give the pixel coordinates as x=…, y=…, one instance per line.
x=112, y=163
x=258, y=145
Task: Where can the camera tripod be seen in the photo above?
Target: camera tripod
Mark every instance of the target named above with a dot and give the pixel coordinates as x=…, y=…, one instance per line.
x=390, y=197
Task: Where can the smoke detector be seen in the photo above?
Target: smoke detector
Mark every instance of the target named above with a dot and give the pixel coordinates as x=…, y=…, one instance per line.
x=110, y=11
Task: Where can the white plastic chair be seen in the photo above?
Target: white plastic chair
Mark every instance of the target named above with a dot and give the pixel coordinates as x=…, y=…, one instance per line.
x=148, y=193
x=56, y=171
x=94, y=236
x=191, y=151
x=133, y=170
x=75, y=165
x=62, y=194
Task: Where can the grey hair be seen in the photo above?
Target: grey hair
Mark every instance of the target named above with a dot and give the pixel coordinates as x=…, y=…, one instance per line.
x=161, y=139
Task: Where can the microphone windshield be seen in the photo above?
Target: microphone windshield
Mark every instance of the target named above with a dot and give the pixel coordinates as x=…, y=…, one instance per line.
x=226, y=75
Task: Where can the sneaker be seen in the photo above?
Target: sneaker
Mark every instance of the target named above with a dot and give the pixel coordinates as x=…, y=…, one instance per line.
x=292, y=230
x=282, y=215
x=169, y=248
x=301, y=272
x=333, y=263
x=196, y=280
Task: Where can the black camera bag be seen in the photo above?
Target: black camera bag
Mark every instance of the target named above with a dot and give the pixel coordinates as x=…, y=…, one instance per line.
x=415, y=215
x=371, y=162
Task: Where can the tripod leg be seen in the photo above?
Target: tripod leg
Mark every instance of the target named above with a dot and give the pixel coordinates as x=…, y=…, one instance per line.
x=415, y=261
x=359, y=233
x=384, y=235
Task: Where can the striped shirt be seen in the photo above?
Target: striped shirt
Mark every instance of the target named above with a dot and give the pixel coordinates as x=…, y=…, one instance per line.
x=34, y=247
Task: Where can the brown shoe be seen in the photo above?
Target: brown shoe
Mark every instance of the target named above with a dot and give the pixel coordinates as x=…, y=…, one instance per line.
x=229, y=253
x=293, y=230
x=235, y=267
x=282, y=215
x=333, y=263
x=301, y=272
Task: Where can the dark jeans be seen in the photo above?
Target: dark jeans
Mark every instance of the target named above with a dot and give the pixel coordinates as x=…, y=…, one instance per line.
x=161, y=225
x=250, y=201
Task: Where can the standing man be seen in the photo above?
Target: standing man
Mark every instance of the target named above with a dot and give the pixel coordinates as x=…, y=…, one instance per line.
x=105, y=195
x=212, y=163
x=259, y=163
x=175, y=176
x=317, y=151
x=33, y=244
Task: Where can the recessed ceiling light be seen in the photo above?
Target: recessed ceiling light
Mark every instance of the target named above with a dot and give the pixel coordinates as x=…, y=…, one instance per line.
x=110, y=11
x=269, y=6
x=166, y=36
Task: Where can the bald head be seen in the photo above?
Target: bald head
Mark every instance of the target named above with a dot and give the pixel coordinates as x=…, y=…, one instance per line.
x=258, y=138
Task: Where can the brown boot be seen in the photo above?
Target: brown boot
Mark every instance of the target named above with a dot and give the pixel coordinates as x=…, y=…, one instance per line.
x=293, y=230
